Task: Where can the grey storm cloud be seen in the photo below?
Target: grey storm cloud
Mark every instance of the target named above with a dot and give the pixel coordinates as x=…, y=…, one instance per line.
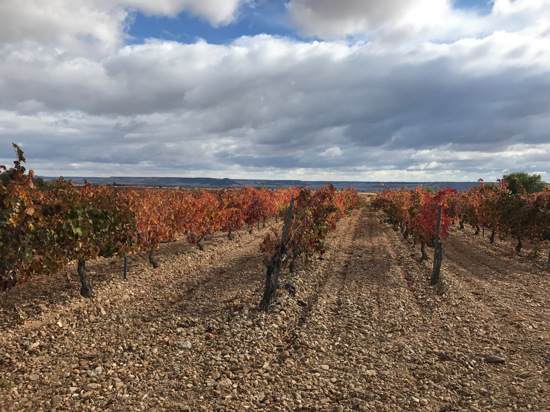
x=417, y=109
x=327, y=18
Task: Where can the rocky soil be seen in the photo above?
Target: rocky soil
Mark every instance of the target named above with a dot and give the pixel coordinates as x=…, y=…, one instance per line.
x=359, y=329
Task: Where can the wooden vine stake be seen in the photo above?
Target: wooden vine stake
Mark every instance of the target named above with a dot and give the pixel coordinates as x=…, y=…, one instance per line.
x=274, y=267
x=438, y=251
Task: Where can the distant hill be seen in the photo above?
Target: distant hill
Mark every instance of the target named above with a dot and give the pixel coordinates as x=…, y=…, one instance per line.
x=213, y=183
x=189, y=182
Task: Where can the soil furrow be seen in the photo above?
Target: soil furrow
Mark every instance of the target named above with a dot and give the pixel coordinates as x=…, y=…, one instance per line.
x=372, y=336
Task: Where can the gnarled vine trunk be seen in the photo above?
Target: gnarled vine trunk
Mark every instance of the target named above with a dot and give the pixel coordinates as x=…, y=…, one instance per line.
x=274, y=266
x=293, y=262
x=438, y=252
x=438, y=259
x=403, y=228
x=152, y=259
x=86, y=288
x=199, y=243
x=423, y=251
x=492, y=238
x=519, y=245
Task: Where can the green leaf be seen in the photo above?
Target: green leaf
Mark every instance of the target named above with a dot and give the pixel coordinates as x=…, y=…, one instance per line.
x=4, y=383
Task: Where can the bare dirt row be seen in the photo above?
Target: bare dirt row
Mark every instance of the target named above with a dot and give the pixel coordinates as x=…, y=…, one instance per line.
x=357, y=329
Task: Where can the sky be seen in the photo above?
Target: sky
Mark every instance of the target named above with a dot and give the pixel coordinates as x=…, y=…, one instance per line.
x=363, y=90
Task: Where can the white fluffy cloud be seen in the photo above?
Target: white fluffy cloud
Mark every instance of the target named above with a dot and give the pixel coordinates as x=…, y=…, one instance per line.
x=82, y=102
x=62, y=24
x=410, y=22
x=332, y=152
x=95, y=27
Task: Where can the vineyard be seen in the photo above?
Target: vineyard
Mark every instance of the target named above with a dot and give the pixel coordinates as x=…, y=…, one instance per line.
x=353, y=323
x=495, y=208
x=43, y=230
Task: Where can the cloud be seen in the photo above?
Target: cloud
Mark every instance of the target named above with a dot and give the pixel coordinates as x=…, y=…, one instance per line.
x=92, y=26
x=412, y=22
x=261, y=106
x=330, y=19
x=332, y=152
x=95, y=28
x=216, y=12
x=263, y=102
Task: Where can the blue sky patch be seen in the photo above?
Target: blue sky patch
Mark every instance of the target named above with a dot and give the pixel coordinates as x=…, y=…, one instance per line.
x=482, y=7
x=267, y=17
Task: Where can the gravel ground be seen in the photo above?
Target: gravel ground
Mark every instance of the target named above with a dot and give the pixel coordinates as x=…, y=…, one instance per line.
x=359, y=329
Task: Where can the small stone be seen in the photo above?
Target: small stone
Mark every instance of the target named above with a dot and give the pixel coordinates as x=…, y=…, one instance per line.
x=494, y=359
x=284, y=355
x=87, y=395
x=91, y=386
x=423, y=402
x=34, y=377
x=225, y=383
x=524, y=375
x=443, y=356
x=325, y=367
x=371, y=372
x=185, y=345
x=20, y=313
x=216, y=376
x=533, y=383
x=56, y=401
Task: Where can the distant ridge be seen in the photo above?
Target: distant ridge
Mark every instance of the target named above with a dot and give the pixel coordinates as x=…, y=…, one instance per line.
x=214, y=183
